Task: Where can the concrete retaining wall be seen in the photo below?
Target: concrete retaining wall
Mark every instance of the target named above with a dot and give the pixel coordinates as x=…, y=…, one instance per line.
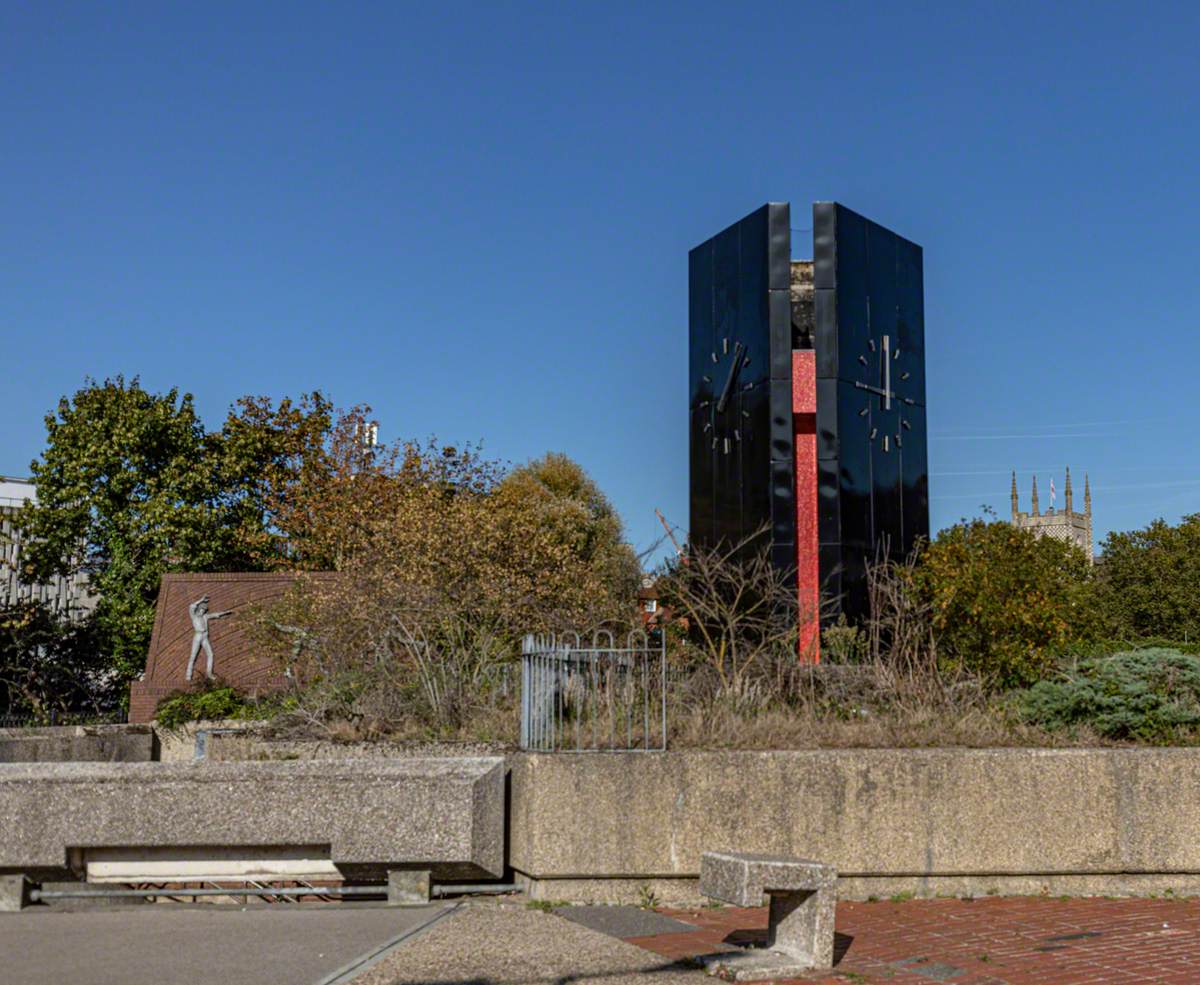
x=445, y=814
x=79, y=744
x=956, y=821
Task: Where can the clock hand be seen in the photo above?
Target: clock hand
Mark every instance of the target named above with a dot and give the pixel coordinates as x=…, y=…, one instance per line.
x=733, y=371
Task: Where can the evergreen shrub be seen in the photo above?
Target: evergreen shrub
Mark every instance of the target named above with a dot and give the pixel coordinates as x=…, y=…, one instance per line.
x=1150, y=695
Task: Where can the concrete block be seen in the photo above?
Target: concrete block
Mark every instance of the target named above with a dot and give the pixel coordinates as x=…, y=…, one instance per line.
x=800, y=923
x=79, y=744
x=442, y=814
x=408, y=887
x=14, y=892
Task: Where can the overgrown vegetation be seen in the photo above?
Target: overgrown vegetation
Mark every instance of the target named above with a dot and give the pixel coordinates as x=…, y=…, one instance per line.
x=437, y=560
x=217, y=701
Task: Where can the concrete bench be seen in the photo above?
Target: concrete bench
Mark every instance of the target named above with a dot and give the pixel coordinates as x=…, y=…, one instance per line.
x=802, y=897
x=360, y=819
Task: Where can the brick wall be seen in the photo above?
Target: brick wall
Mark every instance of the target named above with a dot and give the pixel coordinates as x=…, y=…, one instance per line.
x=236, y=659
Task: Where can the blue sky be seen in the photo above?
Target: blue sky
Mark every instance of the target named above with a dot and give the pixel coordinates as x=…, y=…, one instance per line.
x=476, y=218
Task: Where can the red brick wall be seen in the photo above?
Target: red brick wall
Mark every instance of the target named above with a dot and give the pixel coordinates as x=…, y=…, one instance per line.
x=236, y=660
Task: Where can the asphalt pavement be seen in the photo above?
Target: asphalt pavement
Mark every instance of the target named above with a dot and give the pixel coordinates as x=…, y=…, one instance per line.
x=174, y=944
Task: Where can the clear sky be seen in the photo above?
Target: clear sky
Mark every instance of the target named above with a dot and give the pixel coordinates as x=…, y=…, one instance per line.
x=476, y=217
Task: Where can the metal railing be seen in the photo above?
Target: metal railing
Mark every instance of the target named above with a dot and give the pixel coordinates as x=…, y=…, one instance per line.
x=595, y=696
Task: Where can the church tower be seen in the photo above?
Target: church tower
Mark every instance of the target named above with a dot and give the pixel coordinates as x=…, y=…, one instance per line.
x=1065, y=524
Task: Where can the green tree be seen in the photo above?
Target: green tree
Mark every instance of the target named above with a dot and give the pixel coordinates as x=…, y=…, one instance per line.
x=1003, y=600
x=1149, y=581
x=124, y=492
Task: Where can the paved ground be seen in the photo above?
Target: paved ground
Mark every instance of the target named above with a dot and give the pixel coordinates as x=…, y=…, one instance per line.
x=172, y=944
x=1013, y=941
x=495, y=943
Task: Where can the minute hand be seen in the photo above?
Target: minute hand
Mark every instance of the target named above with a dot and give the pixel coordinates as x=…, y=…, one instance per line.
x=733, y=372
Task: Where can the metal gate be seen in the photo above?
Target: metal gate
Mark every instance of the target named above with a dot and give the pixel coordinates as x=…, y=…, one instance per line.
x=596, y=697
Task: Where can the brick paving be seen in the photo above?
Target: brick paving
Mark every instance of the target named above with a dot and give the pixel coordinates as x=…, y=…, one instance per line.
x=992, y=941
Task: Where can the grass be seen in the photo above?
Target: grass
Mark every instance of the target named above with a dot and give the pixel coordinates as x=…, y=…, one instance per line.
x=545, y=905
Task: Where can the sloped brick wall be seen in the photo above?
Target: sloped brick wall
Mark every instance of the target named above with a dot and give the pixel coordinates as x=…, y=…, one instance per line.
x=236, y=658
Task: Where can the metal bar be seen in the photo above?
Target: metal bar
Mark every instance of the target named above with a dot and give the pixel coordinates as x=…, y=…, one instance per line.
x=39, y=894
x=476, y=888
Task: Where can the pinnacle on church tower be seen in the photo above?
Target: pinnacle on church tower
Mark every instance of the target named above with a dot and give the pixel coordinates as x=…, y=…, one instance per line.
x=1087, y=496
x=1034, y=508
x=1014, y=496
x=1067, y=491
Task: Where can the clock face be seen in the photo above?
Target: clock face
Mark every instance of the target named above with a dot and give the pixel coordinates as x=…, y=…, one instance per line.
x=884, y=386
x=729, y=422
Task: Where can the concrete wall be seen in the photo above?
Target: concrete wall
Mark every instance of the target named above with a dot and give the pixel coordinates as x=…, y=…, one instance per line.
x=956, y=821
x=79, y=744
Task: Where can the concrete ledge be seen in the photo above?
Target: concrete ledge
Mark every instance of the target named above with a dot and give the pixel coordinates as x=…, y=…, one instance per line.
x=79, y=744
x=919, y=821
x=445, y=815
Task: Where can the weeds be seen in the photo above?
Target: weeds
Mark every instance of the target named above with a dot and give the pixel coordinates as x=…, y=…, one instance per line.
x=647, y=899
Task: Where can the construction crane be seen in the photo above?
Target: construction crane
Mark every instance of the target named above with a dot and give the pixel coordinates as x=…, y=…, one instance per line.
x=667, y=527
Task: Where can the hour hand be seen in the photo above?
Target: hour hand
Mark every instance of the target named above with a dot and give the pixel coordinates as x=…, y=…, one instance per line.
x=733, y=371
x=873, y=389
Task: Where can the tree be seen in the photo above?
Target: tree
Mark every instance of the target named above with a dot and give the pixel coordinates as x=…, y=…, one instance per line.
x=50, y=666
x=571, y=517
x=263, y=454
x=130, y=486
x=1004, y=600
x=1149, y=581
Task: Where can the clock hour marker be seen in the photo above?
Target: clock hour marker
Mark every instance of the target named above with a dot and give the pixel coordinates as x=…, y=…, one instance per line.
x=746, y=414
x=863, y=360
x=898, y=444
x=905, y=376
x=747, y=386
x=864, y=412
x=907, y=401
x=906, y=425
x=707, y=425
x=714, y=444
x=885, y=443
x=896, y=354
x=871, y=436
x=871, y=343
x=737, y=435
x=704, y=403
x=726, y=446
x=714, y=355
x=725, y=346
x=746, y=361
x=707, y=379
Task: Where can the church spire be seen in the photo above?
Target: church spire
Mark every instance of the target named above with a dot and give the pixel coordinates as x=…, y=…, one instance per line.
x=1035, y=502
x=1014, y=496
x=1067, y=490
x=1087, y=496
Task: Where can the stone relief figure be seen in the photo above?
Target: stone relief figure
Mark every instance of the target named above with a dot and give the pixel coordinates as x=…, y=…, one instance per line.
x=201, y=617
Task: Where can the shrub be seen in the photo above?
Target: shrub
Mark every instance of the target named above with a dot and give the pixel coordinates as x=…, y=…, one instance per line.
x=1003, y=601
x=211, y=704
x=1151, y=695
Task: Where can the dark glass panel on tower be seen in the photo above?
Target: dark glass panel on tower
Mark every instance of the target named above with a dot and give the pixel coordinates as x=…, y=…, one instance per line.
x=733, y=341
x=870, y=393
